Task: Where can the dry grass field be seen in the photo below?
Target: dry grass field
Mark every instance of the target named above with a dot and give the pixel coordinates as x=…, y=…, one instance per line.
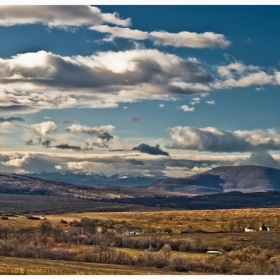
x=193, y=220
x=13, y=203
x=223, y=230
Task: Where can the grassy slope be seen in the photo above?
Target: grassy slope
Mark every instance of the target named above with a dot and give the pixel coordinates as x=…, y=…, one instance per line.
x=12, y=203
x=46, y=267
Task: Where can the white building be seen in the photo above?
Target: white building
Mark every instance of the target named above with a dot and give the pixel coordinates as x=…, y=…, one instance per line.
x=249, y=229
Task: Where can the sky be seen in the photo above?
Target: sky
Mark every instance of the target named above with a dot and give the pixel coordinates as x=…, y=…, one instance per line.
x=141, y=90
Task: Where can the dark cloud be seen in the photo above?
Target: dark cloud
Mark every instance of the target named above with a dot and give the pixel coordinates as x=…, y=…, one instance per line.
x=68, y=147
x=30, y=142
x=135, y=162
x=145, y=148
x=17, y=108
x=45, y=142
x=103, y=139
x=11, y=119
x=192, y=163
x=134, y=120
x=104, y=135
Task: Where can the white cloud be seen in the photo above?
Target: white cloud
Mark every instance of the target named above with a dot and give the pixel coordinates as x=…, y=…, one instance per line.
x=44, y=127
x=181, y=39
x=190, y=39
x=195, y=101
x=210, y=102
x=238, y=74
x=121, y=32
x=58, y=16
x=89, y=130
x=15, y=161
x=5, y=125
x=161, y=105
x=186, y=108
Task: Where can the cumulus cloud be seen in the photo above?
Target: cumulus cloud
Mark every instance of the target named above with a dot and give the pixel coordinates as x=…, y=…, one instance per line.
x=134, y=120
x=44, y=127
x=5, y=125
x=145, y=148
x=100, y=132
x=14, y=161
x=181, y=39
x=215, y=140
x=58, y=16
x=186, y=108
x=161, y=105
x=237, y=74
x=261, y=158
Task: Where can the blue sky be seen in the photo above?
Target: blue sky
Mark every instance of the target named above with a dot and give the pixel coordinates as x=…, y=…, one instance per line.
x=165, y=90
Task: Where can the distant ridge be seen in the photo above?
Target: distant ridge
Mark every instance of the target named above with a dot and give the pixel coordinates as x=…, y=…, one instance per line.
x=246, y=178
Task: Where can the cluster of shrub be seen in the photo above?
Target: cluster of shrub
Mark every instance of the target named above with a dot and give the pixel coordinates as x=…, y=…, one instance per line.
x=155, y=244
x=230, y=200
x=49, y=242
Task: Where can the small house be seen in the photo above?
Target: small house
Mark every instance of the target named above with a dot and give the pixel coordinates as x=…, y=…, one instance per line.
x=249, y=229
x=264, y=228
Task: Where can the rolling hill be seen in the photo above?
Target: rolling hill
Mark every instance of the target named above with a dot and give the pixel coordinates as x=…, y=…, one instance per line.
x=248, y=178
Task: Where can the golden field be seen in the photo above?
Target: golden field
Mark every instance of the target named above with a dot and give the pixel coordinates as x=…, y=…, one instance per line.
x=223, y=230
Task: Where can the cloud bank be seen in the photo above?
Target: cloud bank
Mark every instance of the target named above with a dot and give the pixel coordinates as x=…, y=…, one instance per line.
x=43, y=80
x=211, y=139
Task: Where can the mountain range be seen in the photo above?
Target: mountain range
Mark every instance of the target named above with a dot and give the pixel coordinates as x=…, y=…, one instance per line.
x=245, y=179
x=84, y=178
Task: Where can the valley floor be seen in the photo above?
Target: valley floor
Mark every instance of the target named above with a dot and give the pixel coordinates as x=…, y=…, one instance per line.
x=167, y=242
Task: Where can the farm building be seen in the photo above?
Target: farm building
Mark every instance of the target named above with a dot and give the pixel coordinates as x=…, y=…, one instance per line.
x=249, y=229
x=264, y=228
